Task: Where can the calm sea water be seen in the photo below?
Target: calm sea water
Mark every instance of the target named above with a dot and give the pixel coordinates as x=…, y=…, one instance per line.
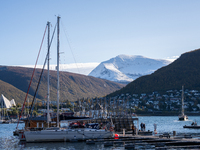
x=164, y=124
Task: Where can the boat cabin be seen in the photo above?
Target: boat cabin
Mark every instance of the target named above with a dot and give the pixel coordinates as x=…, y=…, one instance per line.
x=39, y=122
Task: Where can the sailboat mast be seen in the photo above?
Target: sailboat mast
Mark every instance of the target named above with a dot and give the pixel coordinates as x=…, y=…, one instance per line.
x=48, y=92
x=182, y=100
x=58, y=85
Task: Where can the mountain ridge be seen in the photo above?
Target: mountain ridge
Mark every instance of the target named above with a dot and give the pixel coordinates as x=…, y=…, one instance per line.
x=126, y=68
x=72, y=86
x=183, y=71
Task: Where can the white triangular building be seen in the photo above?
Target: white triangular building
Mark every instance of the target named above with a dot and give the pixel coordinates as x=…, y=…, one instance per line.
x=5, y=103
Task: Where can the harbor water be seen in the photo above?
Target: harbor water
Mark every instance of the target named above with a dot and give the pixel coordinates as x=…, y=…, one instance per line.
x=164, y=124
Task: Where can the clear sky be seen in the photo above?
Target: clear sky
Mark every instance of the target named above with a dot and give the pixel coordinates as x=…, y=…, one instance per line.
x=98, y=30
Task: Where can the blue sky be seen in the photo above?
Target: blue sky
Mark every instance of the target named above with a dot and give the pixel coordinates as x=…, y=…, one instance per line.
x=98, y=30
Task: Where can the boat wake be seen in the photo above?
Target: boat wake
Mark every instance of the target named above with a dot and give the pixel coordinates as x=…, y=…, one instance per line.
x=189, y=120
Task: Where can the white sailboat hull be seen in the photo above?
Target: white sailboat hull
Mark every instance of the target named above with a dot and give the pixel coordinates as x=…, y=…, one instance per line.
x=183, y=118
x=66, y=135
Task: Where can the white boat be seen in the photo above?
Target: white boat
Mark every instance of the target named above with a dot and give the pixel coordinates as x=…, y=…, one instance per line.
x=182, y=117
x=60, y=134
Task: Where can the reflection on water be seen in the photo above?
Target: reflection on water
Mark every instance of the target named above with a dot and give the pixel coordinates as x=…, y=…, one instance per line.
x=8, y=143
x=60, y=146
x=15, y=144
x=80, y=146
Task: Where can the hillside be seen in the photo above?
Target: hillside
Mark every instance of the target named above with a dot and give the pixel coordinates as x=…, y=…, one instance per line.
x=183, y=71
x=126, y=68
x=72, y=86
x=11, y=92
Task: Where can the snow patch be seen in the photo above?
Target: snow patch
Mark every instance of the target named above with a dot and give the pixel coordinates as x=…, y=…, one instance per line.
x=126, y=68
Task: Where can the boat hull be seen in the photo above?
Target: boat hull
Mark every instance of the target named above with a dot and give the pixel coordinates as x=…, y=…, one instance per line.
x=65, y=135
x=192, y=127
x=183, y=118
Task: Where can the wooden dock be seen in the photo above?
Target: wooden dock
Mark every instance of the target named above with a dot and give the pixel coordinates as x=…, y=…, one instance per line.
x=130, y=141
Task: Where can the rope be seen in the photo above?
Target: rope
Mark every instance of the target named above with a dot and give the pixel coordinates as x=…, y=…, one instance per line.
x=72, y=54
x=32, y=77
x=70, y=46
x=30, y=109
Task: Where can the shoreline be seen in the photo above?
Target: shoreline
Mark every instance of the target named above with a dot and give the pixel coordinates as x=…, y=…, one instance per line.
x=165, y=114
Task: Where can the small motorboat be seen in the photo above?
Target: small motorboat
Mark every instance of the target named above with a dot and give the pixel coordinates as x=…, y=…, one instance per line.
x=192, y=126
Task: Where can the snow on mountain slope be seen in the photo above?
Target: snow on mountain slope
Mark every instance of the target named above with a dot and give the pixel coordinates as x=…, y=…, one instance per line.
x=125, y=68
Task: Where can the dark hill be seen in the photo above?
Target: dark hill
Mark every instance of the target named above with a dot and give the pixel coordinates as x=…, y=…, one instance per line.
x=72, y=86
x=11, y=92
x=183, y=71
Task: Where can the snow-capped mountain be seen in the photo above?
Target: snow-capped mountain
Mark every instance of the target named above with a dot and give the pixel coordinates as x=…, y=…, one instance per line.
x=126, y=68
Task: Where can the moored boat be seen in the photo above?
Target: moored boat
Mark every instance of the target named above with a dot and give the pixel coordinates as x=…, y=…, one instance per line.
x=59, y=134
x=182, y=117
x=63, y=134
x=192, y=126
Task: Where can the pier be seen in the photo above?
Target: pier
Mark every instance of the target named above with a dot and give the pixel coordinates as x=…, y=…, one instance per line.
x=129, y=141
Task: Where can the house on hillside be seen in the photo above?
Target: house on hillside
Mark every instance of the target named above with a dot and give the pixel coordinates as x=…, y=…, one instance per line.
x=5, y=103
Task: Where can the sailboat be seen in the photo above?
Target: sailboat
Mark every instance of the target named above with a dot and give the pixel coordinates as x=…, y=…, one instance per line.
x=64, y=134
x=182, y=117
